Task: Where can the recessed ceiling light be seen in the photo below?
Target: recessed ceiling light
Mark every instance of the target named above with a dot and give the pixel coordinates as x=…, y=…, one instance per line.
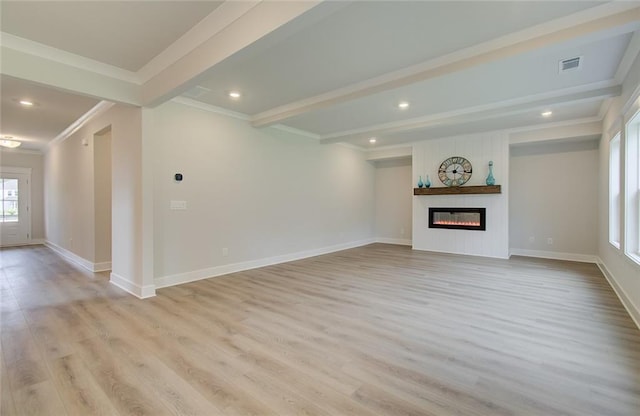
x=235, y=94
x=26, y=103
x=546, y=113
x=403, y=105
x=9, y=143
x=372, y=140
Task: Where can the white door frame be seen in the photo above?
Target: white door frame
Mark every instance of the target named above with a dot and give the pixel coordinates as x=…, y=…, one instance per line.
x=21, y=171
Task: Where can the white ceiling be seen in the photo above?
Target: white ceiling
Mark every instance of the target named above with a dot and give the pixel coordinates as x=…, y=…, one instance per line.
x=337, y=70
x=363, y=40
x=125, y=34
x=53, y=111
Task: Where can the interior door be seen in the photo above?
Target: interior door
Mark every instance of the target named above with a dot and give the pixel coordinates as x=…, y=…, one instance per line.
x=15, y=215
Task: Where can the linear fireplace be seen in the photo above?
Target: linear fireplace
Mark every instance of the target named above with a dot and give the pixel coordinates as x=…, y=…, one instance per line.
x=458, y=218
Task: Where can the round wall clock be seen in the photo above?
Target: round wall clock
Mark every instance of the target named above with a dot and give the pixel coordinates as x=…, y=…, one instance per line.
x=455, y=171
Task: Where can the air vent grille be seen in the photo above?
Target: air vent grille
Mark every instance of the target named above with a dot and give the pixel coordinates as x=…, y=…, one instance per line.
x=571, y=64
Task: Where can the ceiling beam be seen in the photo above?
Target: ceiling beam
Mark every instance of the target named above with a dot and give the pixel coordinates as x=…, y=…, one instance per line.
x=509, y=107
x=585, y=129
x=83, y=81
x=609, y=19
x=252, y=24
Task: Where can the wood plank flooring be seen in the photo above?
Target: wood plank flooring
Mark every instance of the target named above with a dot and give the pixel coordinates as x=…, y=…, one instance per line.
x=377, y=330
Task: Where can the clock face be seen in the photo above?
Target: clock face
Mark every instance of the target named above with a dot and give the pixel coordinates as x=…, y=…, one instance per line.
x=455, y=171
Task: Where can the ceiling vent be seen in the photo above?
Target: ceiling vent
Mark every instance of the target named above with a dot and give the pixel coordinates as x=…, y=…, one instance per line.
x=571, y=64
x=196, y=92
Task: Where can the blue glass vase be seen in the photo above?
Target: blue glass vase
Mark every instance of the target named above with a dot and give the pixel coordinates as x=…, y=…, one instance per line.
x=427, y=184
x=490, y=179
x=420, y=183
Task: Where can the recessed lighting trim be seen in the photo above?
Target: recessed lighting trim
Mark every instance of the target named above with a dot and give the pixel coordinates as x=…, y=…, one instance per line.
x=403, y=105
x=235, y=94
x=372, y=140
x=9, y=143
x=546, y=113
x=26, y=103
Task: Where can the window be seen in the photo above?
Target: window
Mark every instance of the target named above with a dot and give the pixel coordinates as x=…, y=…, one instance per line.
x=614, y=191
x=9, y=201
x=632, y=179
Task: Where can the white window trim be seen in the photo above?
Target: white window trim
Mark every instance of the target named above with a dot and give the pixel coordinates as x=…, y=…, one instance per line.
x=631, y=186
x=617, y=221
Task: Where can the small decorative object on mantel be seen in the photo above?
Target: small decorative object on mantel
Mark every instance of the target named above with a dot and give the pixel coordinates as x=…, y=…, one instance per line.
x=427, y=184
x=455, y=171
x=420, y=183
x=490, y=179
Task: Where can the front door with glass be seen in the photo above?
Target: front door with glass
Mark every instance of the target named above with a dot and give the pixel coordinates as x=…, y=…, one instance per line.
x=15, y=218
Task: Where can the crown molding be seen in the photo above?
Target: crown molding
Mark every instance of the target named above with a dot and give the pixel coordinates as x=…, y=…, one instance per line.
x=566, y=123
x=98, y=109
x=67, y=58
x=618, y=17
x=299, y=132
x=210, y=108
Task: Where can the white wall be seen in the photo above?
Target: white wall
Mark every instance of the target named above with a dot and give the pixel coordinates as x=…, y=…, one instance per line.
x=69, y=197
x=623, y=274
x=394, y=200
x=261, y=193
x=102, y=196
x=69, y=215
x=35, y=161
x=479, y=149
x=553, y=194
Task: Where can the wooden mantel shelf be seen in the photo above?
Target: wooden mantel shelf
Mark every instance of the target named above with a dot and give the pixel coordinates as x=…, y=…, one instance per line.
x=459, y=190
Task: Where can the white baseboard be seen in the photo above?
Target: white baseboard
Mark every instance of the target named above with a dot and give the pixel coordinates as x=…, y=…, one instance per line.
x=397, y=241
x=105, y=266
x=32, y=242
x=632, y=309
x=80, y=261
x=72, y=257
x=141, y=292
x=180, y=278
x=457, y=253
x=584, y=258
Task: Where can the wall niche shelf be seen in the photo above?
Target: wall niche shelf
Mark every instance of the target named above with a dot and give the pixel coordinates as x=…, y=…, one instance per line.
x=459, y=190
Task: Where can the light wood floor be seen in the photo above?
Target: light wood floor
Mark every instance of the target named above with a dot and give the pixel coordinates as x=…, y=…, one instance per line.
x=378, y=330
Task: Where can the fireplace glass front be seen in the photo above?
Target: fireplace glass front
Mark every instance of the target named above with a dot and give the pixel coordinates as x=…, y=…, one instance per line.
x=458, y=218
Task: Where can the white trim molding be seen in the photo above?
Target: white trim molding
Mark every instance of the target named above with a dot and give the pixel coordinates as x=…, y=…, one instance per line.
x=553, y=255
x=104, y=266
x=74, y=258
x=396, y=241
x=94, y=112
x=632, y=309
x=32, y=242
x=180, y=278
x=141, y=292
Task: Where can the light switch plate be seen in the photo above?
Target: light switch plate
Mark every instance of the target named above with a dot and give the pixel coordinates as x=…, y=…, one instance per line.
x=178, y=205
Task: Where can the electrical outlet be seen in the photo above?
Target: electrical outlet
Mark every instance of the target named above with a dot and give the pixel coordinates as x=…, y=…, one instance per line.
x=225, y=252
x=550, y=241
